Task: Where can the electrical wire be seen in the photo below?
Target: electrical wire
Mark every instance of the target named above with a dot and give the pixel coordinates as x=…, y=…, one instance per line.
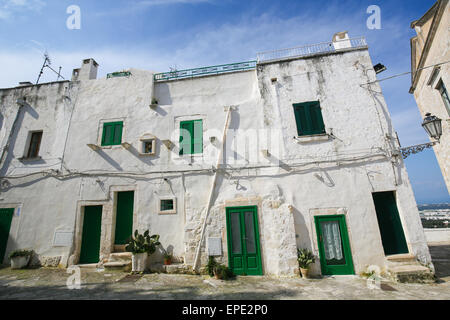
x=405, y=73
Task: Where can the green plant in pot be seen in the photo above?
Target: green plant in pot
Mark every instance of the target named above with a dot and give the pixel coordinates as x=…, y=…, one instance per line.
x=167, y=258
x=305, y=259
x=219, y=271
x=20, y=258
x=141, y=246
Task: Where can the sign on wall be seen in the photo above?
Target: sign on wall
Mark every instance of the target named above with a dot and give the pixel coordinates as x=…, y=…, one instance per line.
x=214, y=247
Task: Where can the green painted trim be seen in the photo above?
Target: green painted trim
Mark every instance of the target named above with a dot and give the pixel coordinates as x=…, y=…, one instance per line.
x=195, y=145
x=245, y=271
x=308, y=118
x=197, y=72
x=90, y=238
x=111, y=141
x=118, y=74
x=345, y=269
x=6, y=216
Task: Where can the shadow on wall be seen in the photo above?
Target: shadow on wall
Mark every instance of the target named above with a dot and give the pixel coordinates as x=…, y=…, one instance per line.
x=110, y=160
x=26, y=108
x=162, y=94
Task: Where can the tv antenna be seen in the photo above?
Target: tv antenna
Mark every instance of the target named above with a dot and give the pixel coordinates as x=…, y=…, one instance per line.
x=47, y=63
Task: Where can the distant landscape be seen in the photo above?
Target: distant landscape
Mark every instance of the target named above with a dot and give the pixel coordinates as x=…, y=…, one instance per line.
x=435, y=215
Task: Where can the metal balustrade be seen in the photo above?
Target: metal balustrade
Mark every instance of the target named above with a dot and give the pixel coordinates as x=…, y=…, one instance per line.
x=312, y=49
x=304, y=51
x=190, y=73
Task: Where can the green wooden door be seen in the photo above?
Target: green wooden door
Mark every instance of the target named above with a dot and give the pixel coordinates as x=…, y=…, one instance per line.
x=124, y=217
x=90, y=240
x=5, y=225
x=244, y=255
x=391, y=229
x=334, y=247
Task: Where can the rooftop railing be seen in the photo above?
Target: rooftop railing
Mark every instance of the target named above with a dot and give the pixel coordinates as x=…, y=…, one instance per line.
x=309, y=50
x=190, y=73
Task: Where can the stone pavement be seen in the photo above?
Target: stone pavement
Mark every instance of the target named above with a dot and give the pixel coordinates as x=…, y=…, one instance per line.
x=48, y=284
x=51, y=284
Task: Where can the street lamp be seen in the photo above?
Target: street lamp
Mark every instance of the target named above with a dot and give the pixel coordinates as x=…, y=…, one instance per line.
x=433, y=127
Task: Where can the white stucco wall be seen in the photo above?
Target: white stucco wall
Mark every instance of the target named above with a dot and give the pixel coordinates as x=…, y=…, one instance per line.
x=429, y=99
x=299, y=179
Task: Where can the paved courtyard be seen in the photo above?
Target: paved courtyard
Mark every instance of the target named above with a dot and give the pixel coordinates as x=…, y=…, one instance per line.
x=51, y=284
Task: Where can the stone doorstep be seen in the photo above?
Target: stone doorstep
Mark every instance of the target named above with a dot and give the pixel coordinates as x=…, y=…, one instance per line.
x=405, y=269
x=177, y=268
x=117, y=265
x=411, y=274
x=87, y=266
x=120, y=257
x=401, y=258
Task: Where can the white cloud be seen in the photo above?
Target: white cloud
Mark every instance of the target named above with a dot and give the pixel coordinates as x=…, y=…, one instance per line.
x=9, y=8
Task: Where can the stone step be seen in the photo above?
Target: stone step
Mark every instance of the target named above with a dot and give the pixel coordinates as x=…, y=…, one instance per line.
x=118, y=265
x=411, y=273
x=176, y=268
x=120, y=257
x=407, y=257
x=87, y=266
x=119, y=247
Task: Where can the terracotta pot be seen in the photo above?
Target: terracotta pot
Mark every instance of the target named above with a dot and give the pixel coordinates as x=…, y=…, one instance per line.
x=304, y=273
x=167, y=262
x=139, y=262
x=19, y=262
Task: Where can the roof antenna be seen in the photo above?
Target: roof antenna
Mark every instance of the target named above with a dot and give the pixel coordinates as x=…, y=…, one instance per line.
x=46, y=64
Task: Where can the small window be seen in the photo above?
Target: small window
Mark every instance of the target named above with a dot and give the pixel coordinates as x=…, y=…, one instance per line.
x=308, y=116
x=191, y=137
x=35, y=144
x=167, y=206
x=148, y=146
x=112, y=133
x=444, y=94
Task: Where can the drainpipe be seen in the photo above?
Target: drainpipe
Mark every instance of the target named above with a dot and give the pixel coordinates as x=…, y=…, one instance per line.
x=21, y=104
x=213, y=186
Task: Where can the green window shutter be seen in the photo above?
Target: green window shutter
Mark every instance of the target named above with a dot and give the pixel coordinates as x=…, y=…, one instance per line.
x=112, y=133
x=191, y=137
x=186, y=134
x=318, y=126
x=197, y=141
x=308, y=117
x=117, y=133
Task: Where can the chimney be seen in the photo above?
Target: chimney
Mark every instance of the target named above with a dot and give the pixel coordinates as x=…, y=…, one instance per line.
x=88, y=70
x=341, y=40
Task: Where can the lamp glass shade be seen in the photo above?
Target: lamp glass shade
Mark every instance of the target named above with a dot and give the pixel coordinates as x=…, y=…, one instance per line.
x=433, y=126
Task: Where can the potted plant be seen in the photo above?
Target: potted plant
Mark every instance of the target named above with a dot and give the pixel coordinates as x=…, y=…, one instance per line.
x=20, y=258
x=222, y=272
x=167, y=258
x=141, y=245
x=305, y=259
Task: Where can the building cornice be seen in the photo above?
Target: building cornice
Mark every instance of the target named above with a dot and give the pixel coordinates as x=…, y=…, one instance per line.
x=441, y=6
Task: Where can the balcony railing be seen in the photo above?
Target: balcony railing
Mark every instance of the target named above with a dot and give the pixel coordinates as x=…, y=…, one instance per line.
x=304, y=51
x=190, y=73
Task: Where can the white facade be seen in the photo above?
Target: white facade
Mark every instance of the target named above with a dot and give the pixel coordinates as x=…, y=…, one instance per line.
x=289, y=179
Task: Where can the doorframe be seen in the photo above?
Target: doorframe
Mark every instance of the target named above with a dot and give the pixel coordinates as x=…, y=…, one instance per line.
x=257, y=235
x=114, y=195
x=14, y=228
x=344, y=238
x=341, y=211
x=401, y=216
x=78, y=237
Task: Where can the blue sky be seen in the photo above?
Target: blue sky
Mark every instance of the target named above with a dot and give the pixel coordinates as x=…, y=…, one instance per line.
x=159, y=34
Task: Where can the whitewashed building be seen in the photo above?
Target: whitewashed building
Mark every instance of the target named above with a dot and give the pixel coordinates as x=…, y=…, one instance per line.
x=246, y=162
